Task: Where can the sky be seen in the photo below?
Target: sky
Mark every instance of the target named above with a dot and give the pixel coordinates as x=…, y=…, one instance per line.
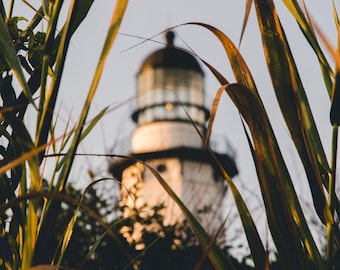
x=145, y=19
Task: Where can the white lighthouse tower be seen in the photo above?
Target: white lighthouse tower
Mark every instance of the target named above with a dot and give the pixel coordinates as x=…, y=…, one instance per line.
x=170, y=84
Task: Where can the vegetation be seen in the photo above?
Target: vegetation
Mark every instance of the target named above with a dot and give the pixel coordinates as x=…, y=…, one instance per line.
x=159, y=247
x=31, y=67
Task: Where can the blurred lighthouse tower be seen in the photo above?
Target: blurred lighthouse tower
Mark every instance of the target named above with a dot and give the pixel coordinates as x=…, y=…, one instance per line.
x=170, y=84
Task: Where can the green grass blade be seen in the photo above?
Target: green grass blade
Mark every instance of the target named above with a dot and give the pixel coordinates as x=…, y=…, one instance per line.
x=307, y=29
x=335, y=98
x=56, y=50
x=240, y=67
x=49, y=98
x=255, y=244
x=256, y=247
x=25, y=144
x=112, y=33
x=117, y=16
x=285, y=217
x=273, y=174
x=335, y=14
x=93, y=123
x=293, y=103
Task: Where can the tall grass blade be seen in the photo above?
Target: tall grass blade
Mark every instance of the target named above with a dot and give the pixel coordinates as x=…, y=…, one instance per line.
x=68, y=160
x=3, y=11
x=56, y=50
x=49, y=94
x=112, y=33
x=25, y=144
x=217, y=258
x=240, y=67
x=333, y=201
x=245, y=19
x=335, y=14
x=306, y=27
x=294, y=104
x=272, y=172
x=93, y=123
x=285, y=217
x=254, y=240
x=335, y=107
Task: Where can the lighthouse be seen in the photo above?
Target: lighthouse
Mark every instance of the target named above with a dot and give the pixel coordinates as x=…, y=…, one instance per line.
x=170, y=86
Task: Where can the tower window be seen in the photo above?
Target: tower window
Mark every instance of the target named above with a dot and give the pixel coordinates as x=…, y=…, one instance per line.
x=161, y=168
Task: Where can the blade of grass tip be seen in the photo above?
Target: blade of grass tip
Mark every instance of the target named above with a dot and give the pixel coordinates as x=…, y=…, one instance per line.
x=213, y=111
x=327, y=76
x=10, y=9
x=9, y=53
x=223, y=81
x=93, y=123
x=67, y=136
x=245, y=19
x=335, y=14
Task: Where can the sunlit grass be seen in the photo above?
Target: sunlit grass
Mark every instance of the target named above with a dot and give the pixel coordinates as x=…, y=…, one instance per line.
x=33, y=209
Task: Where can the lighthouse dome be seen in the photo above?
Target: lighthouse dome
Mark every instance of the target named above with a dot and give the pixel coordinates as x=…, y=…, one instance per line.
x=170, y=85
x=171, y=57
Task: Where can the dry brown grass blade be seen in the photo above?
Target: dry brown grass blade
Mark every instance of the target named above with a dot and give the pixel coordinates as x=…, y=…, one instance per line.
x=213, y=111
x=245, y=19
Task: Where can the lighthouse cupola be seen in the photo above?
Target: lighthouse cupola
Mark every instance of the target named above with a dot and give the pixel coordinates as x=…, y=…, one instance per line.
x=170, y=86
